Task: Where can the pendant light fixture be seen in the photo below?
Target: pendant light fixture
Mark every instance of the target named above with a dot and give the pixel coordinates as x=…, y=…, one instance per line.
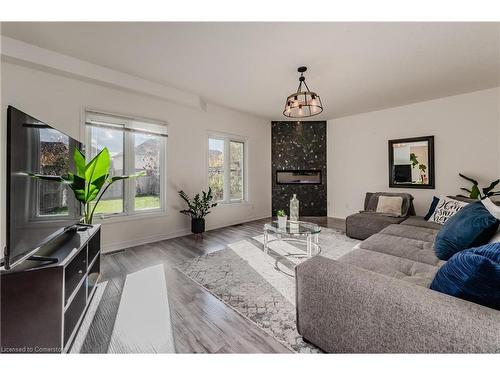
x=303, y=103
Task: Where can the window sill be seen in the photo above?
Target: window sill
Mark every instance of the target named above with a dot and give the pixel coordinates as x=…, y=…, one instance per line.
x=124, y=217
x=233, y=204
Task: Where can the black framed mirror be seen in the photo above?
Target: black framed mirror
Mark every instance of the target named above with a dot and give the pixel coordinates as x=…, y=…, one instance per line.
x=411, y=163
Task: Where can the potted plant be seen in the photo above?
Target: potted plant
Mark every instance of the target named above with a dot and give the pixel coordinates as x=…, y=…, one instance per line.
x=475, y=191
x=198, y=208
x=281, y=218
x=90, y=181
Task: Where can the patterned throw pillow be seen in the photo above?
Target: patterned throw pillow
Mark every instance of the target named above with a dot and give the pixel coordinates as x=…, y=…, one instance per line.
x=446, y=208
x=432, y=208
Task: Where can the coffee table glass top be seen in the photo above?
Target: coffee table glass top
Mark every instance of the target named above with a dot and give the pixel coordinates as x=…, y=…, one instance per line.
x=297, y=227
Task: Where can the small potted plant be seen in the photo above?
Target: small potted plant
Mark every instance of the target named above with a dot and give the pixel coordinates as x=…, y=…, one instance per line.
x=281, y=218
x=198, y=208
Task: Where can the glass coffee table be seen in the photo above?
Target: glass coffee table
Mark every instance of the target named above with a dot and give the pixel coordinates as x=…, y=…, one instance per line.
x=298, y=231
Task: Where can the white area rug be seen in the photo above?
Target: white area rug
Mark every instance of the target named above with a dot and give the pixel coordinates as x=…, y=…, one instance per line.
x=257, y=286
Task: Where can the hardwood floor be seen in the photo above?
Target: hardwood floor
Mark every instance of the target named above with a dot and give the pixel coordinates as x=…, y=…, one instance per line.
x=144, y=304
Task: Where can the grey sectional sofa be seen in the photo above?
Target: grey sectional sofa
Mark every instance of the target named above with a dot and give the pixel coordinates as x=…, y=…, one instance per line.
x=376, y=299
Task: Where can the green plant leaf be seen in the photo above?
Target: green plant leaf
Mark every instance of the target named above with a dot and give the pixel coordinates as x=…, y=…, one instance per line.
x=96, y=172
x=413, y=160
x=475, y=193
x=44, y=177
x=99, y=182
x=124, y=177
x=185, y=197
x=80, y=195
x=186, y=212
x=92, y=194
x=78, y=186
x=79, y=160
x=486, y=190
x=98, y=166
x=468, y=179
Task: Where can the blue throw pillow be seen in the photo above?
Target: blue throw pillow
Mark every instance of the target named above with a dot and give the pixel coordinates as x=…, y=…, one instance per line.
x=472, y=226
x=473, y=275
x=432, y=208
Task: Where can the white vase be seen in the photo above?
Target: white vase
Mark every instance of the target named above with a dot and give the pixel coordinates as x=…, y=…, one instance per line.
x=294, y=209
x=282, y=221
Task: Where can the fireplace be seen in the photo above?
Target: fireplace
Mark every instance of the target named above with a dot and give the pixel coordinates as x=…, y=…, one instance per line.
x=298, y=177
x=298, y=157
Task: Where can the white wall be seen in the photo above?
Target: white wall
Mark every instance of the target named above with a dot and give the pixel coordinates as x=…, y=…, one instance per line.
x=467, y=139
x=59, y=101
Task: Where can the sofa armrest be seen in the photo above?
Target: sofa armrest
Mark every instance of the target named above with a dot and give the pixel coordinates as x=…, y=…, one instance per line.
x=345, y=309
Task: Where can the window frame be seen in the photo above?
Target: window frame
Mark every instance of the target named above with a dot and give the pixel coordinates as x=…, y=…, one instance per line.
x=228, y=138
x=129, y=212
x=34, y=213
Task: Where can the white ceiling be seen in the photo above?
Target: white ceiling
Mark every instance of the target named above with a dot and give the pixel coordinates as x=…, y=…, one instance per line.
x=355, y=67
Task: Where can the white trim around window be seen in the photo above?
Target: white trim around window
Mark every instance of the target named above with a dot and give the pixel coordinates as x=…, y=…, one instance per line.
x=228, y=138
x=130, y=126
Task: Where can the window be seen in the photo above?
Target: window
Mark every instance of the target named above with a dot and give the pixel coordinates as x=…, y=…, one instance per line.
x=135, y=146
x=53, y=160
x=226, y=168
x=236, y=170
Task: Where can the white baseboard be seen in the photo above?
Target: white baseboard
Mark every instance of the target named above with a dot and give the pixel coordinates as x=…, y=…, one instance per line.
x=119, y=246
x=236, y=222
x=337, y=217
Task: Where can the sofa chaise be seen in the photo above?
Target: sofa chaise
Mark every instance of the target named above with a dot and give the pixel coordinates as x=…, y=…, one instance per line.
x=363, y=224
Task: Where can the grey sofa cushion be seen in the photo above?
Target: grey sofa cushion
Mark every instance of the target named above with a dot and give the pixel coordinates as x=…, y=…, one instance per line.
x=400, y=268
x=419, y=221
x=363, y=225
x=413, y=232
x=403, y=247
x=371, y=202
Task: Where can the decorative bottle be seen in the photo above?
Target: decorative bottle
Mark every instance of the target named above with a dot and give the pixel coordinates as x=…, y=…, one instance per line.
x=294, y=208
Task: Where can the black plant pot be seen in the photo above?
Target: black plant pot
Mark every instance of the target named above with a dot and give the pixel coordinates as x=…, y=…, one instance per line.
x=197, y=225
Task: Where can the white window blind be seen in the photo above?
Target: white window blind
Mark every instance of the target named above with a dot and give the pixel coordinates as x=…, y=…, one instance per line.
x=124, y=123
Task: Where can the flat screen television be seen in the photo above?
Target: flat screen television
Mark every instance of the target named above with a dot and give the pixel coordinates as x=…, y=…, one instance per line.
x=38, y=211
x=402, y=173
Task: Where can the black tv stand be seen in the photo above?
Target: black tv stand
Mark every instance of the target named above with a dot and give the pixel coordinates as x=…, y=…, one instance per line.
x=81, y=227
x=46, y=260
x=43, y=304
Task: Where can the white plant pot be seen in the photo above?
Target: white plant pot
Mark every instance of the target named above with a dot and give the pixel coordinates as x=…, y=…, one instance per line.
x=282, y=221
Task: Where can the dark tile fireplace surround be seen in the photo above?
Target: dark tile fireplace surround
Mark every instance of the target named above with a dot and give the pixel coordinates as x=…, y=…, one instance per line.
x=299, y=147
